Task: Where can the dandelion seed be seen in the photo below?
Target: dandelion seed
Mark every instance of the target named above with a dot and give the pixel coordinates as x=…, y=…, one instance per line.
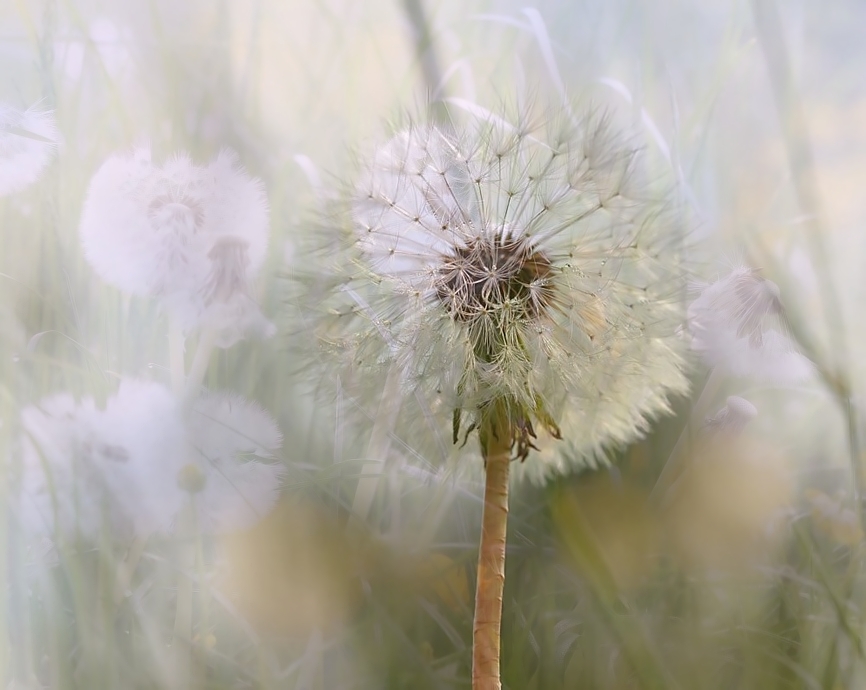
x=195, y=237
x=28, y=139
x=738, y=325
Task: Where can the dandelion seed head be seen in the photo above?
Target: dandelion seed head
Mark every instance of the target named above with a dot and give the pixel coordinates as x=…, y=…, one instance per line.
x=495, y=273
x=193, y=236
x=215, y=462
x=526, y=262
x=59, y=485
x=28, y=140
x=139, y=461
x=738, y=324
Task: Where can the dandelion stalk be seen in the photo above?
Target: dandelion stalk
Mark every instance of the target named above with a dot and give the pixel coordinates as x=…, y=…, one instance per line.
x=126, y=568
x=177, y=368
x=5, y=545
x=495, y=437
x=183, y=611
x=199, y=365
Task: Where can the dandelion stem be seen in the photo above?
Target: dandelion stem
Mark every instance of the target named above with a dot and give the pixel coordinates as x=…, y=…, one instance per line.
x=199, y=365
x=175, y=356
x=6, y=585
x=496, y=449
x=183, y=613
x=127, y=567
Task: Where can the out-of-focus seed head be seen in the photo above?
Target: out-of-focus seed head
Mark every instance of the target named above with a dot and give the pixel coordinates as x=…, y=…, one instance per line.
x=193, y=236
x=28, y=140
x=139, y=461
x=738, y=325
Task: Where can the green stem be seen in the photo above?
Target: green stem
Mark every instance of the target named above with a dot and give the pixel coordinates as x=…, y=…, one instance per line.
x=804, y=178
x=199, y=366
x=175, y=356
x=127, y=567
x=181, y=643
x=633, y=637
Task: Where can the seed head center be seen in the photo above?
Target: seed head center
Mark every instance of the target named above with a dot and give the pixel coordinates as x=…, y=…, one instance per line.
x=493, y=272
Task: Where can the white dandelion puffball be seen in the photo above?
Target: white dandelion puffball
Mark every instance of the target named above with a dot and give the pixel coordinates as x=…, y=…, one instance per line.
x=62, y=486
x=28, y=140
x=230, y=437
x=218, y=467
x=737, y=325
x=195, y=237
x=499, y=262
x=132, y=467
x=145, y=420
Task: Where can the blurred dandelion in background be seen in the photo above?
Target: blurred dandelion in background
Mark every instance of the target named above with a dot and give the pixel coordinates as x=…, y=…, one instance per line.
x=738, y=325
x=136, y=463
x=195, y=237
x=62, y=485
x=28, y=140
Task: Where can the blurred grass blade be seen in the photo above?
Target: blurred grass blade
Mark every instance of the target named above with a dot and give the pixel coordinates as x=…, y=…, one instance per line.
x=628, y=629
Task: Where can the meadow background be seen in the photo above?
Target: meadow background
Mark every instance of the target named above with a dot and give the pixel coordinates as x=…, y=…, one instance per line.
x=751, y=576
